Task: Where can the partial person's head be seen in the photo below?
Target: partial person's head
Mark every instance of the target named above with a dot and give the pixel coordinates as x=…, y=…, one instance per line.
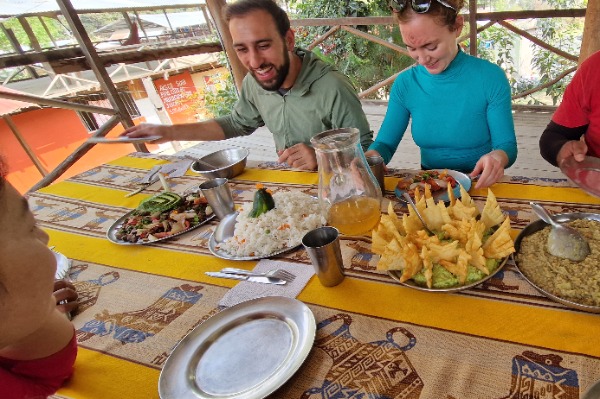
x=429, y=29
x=27, y=266
x=262, y=40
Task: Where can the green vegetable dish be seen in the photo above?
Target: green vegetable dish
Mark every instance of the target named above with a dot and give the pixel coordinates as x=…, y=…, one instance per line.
x=162, y=216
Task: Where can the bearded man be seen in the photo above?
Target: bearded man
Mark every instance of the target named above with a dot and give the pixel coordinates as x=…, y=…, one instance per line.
x=288, y=89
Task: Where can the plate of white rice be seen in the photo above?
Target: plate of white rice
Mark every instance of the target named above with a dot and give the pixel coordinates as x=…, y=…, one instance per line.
x=272, y=233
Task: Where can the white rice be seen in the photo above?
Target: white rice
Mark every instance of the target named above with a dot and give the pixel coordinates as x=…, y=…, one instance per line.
x=294, y=215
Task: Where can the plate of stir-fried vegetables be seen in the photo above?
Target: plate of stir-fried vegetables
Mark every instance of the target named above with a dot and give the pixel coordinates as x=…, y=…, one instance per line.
x=438, y=181
x=159, y=218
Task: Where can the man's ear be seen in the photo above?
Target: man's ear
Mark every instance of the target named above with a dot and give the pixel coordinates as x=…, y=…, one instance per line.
x=290, y=40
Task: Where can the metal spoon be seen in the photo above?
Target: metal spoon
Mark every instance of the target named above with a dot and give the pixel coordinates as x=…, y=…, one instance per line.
x=201, y=162
x=414, y=207
x=563, y=241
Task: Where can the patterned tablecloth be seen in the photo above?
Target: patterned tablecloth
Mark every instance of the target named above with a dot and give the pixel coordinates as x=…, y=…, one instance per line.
x=375, y=338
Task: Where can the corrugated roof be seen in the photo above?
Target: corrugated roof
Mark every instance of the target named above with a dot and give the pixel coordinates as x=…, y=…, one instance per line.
x=32, y=7
x=8, y=107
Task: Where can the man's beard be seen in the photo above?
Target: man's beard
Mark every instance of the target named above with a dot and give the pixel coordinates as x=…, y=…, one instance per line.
x=282, y=72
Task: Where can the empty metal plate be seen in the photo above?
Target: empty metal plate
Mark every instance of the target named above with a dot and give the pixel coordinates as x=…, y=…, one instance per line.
x=246, y=351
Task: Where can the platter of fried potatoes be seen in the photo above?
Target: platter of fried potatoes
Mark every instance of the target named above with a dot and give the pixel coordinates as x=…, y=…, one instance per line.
x=467, y=248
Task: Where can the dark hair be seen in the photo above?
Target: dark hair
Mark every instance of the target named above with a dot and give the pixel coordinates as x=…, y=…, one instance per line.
x=443, y=15
x=242, y=7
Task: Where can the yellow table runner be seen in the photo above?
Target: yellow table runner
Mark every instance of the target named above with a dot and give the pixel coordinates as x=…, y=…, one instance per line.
x=365, y=293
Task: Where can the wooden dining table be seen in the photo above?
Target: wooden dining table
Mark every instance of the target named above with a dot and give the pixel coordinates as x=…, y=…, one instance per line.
x=375, y=338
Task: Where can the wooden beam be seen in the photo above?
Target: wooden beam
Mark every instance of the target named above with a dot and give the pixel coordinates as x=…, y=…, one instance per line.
x=104, y=80
x=537, y=41
x=34, y=42
x=238, y=71
x=83, y=149
x=376, y=39
x=47, y=31
x=591, y=31
x=485, y=16
x=323, y=37
x=472, y=27
x=73, y=60
x=30, y=98
x=14, y=42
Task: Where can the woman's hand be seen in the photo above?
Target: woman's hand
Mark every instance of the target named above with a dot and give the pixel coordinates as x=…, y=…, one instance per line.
x=373, y=153
x=490, y=168
x=299, y=156
x=66, y=296
x=577, y=148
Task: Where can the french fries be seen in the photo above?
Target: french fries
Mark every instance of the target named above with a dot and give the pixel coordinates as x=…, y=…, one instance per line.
x=404, y=245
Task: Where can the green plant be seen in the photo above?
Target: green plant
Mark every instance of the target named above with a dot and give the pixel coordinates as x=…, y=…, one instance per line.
x=220, y=102
x=364, y=62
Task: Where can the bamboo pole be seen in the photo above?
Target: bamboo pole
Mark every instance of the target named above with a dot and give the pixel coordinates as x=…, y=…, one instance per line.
x=238, y=71
x=591, y=30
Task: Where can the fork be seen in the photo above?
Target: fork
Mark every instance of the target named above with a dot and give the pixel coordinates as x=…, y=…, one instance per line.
x=278, y=273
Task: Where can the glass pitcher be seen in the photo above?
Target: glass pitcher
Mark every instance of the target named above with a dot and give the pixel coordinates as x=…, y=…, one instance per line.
x=349, y=194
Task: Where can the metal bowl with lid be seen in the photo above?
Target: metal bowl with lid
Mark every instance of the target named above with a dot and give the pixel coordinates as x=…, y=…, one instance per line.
x=226, y=163
x=538, y=225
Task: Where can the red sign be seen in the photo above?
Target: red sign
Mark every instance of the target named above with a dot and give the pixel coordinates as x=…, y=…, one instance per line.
x=178, y=94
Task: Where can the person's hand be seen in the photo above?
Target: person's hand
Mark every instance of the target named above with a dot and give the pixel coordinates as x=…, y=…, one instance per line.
x=66, y=296
x=489, y=168
x=576, y=148
x=299, y=156
x=373, y=153
x=148, y=129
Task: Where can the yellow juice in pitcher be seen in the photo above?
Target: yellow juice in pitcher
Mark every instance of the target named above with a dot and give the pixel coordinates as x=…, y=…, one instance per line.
x=355, y=215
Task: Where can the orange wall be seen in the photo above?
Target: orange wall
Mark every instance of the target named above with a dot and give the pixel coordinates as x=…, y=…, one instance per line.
x=53, y=134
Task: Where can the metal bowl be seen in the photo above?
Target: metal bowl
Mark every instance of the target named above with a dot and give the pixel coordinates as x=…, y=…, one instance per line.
x=539, y=225
x=227, y=163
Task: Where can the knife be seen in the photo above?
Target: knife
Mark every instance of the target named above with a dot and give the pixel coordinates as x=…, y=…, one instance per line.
x=254, y=279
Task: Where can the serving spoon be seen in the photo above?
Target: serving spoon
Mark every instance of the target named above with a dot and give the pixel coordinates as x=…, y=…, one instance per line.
x=563, y=241
x=414, y=207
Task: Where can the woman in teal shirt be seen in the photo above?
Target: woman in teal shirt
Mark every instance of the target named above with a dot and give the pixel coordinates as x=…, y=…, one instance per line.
x=460, y=105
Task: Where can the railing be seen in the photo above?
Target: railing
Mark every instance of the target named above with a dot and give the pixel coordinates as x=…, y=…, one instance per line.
x=491, y=18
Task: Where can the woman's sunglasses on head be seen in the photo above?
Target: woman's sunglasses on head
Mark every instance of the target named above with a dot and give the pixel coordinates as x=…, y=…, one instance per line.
x=418, y=6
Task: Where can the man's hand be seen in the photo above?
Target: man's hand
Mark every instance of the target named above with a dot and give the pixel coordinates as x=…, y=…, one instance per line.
x=576, y=148
x=299, y=156
x=490, y=168
x=66, y=296
x=148, y=129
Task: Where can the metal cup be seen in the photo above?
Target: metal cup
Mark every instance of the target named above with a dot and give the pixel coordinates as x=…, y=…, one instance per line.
x=323, y=247
x=376, y=164
x=218, y=195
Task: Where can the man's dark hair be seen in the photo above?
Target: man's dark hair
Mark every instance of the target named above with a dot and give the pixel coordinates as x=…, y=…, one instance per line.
x=243, y=7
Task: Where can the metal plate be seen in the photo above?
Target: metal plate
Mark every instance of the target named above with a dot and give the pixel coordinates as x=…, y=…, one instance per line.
x=396, y=274
x=63, y=264
x=246, y=351
x=225, y=230
x=586, y=174
x=593, y=392
x=111, y=234
x=442, y=195
x=539, y=225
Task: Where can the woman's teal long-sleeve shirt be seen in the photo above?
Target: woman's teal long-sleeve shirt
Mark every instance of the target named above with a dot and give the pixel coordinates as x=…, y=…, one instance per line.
x=457, y=116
